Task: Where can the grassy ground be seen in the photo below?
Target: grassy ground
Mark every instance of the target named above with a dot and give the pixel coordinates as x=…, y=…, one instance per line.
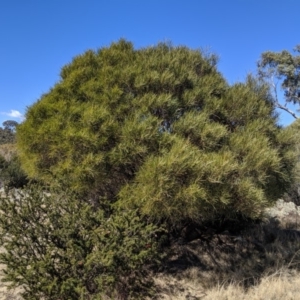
x=281, y=285
x=7, y=150
x=259, y=262
x=277, y=287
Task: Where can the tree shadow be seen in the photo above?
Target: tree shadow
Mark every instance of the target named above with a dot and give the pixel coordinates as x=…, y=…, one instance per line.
x=243, y=255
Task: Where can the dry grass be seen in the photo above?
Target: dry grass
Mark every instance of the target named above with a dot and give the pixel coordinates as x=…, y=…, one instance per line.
x=281, y=285
x=276, y=287
x=243, y=265
x=7, y=150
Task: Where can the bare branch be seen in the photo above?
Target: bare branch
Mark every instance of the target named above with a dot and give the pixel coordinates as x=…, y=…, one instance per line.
x=276, y=102
x=286, y=109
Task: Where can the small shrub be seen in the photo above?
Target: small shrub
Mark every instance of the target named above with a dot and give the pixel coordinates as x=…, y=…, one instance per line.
x=11, y=173
x=58, y=247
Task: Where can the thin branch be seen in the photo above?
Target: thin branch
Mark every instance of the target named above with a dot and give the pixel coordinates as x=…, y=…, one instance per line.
x=274, y=85
x=286, y=109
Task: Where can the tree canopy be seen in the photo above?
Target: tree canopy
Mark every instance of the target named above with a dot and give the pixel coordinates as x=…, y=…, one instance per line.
x=284, y=67
x=7, y=132
x=158, y=129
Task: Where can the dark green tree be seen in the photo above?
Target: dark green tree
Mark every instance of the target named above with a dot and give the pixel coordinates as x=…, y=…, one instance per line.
x=158, y=129
x=10, y=125
x=283, y=67
x=7, y=132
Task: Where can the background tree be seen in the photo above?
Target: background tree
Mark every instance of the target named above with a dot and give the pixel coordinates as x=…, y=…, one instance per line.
x=11, y=174
x=10, y=125
x=285, y=68
x=7, y=133
x=158, y=129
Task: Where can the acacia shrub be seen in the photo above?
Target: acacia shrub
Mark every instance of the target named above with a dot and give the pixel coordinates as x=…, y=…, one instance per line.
x=57, y=247
x=159, y=129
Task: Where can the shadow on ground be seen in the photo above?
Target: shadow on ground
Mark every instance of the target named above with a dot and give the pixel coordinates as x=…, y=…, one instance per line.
x=243, y=255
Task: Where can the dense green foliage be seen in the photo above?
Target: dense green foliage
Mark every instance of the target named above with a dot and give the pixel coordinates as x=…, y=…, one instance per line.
x=60, y=248
x=286, y=68
x=293, y=193
x=134, y=138
x=158, y=129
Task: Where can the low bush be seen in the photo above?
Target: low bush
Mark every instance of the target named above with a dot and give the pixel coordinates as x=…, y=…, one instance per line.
x=11, y=173
x=58, y=247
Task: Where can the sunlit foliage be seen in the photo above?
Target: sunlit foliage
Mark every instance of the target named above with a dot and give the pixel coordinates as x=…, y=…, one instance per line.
x=158, y=129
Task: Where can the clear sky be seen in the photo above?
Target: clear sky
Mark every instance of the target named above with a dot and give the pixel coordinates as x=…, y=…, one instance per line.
x=38, y=37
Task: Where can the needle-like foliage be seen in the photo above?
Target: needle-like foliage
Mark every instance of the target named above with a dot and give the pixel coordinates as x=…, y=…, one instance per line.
x=158, y=129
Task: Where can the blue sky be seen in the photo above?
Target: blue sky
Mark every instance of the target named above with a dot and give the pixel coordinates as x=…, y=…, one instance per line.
x=38, y=37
